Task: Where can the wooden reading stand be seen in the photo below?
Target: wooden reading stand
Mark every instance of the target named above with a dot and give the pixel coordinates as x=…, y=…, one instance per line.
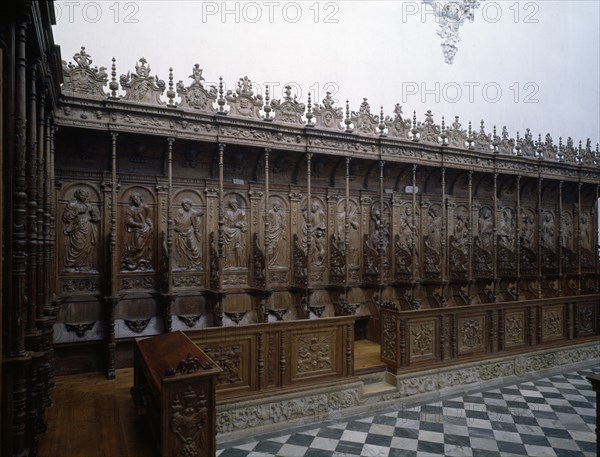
x=174, y=386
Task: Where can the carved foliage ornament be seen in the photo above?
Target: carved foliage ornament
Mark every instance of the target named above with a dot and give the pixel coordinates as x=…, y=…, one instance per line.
x=289, y=111
x=189, y=416
x=314, y=354
x=195, y=95
x=83, y=79
x=141, y=87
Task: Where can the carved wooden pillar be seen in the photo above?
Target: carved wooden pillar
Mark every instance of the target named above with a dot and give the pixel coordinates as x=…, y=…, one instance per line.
x=308, y=231
x=540, y=234
x=113, y=299
x=381, y=230
x=445, y=233
x=472, y=210
x=32, y=207
x=347, y=227
x=40, y=216
x=579, y=213
x=560, y=229
x=596, y=246
x=221, y=215
x=518, y=234
x=416, y=265
x=52, y=196
x=495, y=237
x=266, y=219
x=169, y=298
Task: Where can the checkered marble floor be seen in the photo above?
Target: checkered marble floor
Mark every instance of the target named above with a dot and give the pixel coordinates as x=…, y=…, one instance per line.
x=553, y=416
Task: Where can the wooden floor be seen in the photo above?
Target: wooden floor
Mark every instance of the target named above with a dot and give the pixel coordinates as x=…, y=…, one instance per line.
x=92, y=416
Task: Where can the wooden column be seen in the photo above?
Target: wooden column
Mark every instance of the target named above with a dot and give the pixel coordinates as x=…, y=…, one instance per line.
x=221, y=214
x=381, y=240
x=169, y=298
x=470, y=229
x=40, y=216
x=416, y=265
x=518, y=234
x=347, y=228
x=560, y=228
x=540, y=234
x=113, y=299
x=495, y=236
x=308, y=231
x=32, y=207
x=579, y=278
x=445, y=233
x=266, y=218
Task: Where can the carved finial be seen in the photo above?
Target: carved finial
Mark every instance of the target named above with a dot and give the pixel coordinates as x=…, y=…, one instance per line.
x=470, y=139
x=414, y=131
x=540, y=147
x=171, y=92
x=579, y=154
x=113, y=86
x=495, y=140
x=443, y=134
x=597, y=153
x=518, y=145
x=561, y=154
x=267, y=108
x=348, y=121
x=221, y=100
x=381, y=122
x=482, y=128
x=309, y=113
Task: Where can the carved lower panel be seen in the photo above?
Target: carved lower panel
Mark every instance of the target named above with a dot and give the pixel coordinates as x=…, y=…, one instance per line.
x=514, y=329
x=553, y=325
x=472, y=334
x=187, y=281
x=142, y=282
x=189, y=422
x=423, y=340
x=313, y=354
x=231, y=360
x=585, y=319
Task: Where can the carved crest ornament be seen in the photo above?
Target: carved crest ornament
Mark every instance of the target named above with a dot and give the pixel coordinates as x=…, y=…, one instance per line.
x=81, y=79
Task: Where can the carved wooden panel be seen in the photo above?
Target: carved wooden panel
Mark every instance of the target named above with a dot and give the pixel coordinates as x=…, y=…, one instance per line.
x=423, y=340
x=237, y=359
x=586, y=319
x=314, y=353
x=553, y=323
x=515, y=328
x=472, y=334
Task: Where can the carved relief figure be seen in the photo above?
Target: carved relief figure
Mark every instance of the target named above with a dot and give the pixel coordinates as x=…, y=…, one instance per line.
x=235, y=227
x=528, y=229
x=486, y=227
x=80, y=227
x=137, y=254
x=316, y=218
x=548, y=230
x=353, y=235
x=566, y=235
x=406, y=223
x=459, y=242
x=380, y=234
x=188, y=235
x=277, y=236
x=434, y=223
x=506, y=230
x=585, y=230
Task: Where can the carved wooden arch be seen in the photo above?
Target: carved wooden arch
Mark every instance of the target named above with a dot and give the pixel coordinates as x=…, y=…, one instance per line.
x=429, y=174
x=298, y=167
x=479, y=182
x=334, y=171
x=529, y=188
x=550, y=190
x=506, y=186
x=180, y=194
x=460, y=174
x=370, y=169
x=147, y=192
x=403, y=171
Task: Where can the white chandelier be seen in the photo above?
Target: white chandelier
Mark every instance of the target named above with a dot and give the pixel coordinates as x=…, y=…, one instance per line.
x=451, y=14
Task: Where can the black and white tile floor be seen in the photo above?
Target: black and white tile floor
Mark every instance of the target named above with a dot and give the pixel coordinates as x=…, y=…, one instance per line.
x=553, y=416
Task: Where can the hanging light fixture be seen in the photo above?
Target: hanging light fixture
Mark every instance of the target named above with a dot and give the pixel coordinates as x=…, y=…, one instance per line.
x=451, y=14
